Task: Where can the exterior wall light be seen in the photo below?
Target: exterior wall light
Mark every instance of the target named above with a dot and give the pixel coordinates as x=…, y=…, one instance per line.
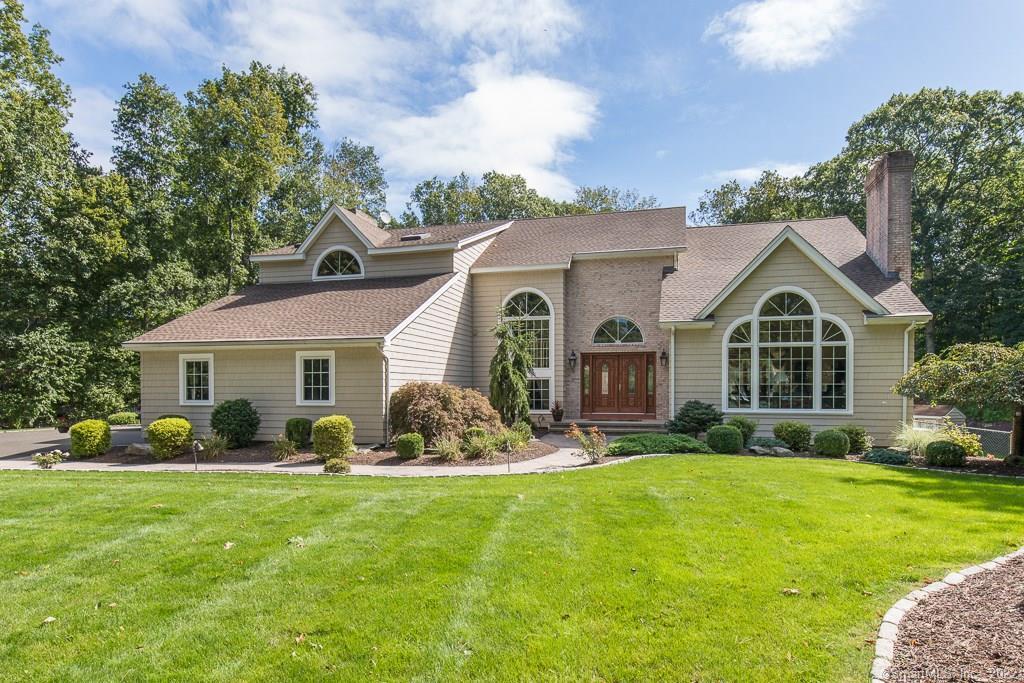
x=572, y=360
x=664, y=359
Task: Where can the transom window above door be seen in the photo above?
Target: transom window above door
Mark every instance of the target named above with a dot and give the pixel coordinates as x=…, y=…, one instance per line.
x=618, y=330
x=339, y=263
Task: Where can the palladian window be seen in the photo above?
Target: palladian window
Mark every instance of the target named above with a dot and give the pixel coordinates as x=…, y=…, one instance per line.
x=531, y=312
x=338, y=264
x=787, y=356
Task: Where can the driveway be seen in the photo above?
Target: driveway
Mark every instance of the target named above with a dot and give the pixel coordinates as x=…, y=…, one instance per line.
x=24, y=443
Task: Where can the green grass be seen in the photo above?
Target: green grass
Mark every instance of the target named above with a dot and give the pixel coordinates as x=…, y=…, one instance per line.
x=666, y=568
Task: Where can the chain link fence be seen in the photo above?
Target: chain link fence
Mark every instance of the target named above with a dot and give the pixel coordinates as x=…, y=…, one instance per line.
x=994, y=441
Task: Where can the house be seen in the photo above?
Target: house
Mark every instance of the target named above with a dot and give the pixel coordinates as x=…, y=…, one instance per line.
x=632, y=314
x=933, y=417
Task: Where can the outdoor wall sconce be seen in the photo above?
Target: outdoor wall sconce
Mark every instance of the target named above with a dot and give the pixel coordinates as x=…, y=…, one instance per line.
x=664, y=359
x=572, y=360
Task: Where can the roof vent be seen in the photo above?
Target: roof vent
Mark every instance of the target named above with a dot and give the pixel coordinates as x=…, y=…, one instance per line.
x=414, y=238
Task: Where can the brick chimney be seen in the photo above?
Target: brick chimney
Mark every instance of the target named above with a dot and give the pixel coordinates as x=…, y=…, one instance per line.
x=888, y=189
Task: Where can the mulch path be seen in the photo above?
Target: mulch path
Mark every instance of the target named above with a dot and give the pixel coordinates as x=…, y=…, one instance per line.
x=536, y=449
x=970, y=632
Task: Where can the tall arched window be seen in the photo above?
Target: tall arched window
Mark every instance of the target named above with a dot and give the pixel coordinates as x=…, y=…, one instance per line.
x=787, y=356
x=618, y=330
x=339, y=263
x=533, y=314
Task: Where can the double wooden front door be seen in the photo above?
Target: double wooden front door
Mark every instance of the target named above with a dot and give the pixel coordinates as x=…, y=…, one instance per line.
x=617, y=385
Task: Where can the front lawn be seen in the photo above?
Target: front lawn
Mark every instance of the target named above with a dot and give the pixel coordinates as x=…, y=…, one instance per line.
x=663, y=569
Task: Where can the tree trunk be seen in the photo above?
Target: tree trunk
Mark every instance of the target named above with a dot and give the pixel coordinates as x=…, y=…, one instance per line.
x=1017, y=435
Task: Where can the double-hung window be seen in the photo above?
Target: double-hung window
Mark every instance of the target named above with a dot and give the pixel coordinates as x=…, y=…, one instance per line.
x=314, y=378
x=195, y=379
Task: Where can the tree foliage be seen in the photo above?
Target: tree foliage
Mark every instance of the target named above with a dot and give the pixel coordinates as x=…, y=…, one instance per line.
x=353, y=177
x=511, y=367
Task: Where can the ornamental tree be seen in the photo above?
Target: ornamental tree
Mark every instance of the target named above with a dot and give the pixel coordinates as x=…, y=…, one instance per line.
x=986, y=375
x=511, y=365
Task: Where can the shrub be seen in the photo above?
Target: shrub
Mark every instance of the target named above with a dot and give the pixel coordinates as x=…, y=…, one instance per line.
x=797, y=435
x=124, y=418
x=593, y=444
x=236, y=420
x=942, y=453
x=168, y=415
x=479, y=446
x=169, y=436
x=524, y=429
x=283, y=448
x=337, y=465
x=98, y=400
x=298, y=430
x=90, y=438
x=509, y=441
x=46, y=461
x=694, y=417
x=832, y=443
x=409, y=446
x=914, y=440
x=214, y=446
x=746, y=425
x=433, y=409
x=860, y=440
x=969, y=441
x=766, y=442
x=473, y=432
x=725, y=439
x=885, y=456
x=449, y=448
x=645, y=444
x=333, y=437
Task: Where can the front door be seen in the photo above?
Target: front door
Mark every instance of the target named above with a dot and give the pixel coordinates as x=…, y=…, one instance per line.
x=617, y=385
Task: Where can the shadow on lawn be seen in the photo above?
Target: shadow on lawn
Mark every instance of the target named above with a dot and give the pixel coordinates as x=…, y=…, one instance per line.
x=980, y=491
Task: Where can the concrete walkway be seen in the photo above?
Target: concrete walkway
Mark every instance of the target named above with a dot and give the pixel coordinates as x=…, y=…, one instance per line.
x=559, y=460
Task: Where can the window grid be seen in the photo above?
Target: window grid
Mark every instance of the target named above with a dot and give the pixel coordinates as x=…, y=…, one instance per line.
x=540, y=340
x=316, y=379
x=739, y=377
x=338, y=263
x=197, y=380
x=787, y=377
x=540, y=393
x=618, y=331
x=531, y=314
x=833, y=377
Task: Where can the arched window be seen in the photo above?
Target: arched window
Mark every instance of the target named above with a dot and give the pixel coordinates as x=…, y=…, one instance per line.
x=787, y=356
x=532, y=312
x=339, y=263
x=618, y=330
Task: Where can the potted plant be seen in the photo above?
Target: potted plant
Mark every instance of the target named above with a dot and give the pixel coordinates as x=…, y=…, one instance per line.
x=557, y=412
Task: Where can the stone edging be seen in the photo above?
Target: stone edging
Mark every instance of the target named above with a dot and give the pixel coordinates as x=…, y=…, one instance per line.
x=888, y=632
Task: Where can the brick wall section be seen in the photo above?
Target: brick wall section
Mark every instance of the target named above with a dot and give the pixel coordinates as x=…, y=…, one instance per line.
x=888, y=189
x=596, y=290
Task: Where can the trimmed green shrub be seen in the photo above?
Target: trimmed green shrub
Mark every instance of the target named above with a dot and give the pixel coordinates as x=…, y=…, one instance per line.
x=124, y=418
x=169, y=436
x=473, y=432
x=860, y=440
x=646, y=444
x=885, y=456
x=337, y=466
x=725, y=439
x=448, y=448
x=298, y=430
x=944, y=453
x=432, y=409
x=90, y=438
x=797, y=435
x=832, y=443
x=168, y=415
x=409, y=446
x=766, y=442
x=333, y=437
x=694, y=417
x=237, y=421
x=746, y=425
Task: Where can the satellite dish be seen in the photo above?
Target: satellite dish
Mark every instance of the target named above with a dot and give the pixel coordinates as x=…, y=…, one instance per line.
x=385, y=217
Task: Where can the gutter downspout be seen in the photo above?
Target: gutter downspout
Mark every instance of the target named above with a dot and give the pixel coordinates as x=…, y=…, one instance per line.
x=671, y=372
x=387, y=393
x=906, y=364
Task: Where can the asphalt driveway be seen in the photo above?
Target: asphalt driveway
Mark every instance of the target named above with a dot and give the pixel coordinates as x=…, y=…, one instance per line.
x=24, y=443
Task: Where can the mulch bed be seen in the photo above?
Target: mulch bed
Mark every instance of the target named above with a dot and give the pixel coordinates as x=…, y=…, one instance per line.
x=970, y=632
x=973, y=466
x=536, y=449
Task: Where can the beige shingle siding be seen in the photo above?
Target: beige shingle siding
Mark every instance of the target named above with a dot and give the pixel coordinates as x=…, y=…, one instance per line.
x=337, y=234
x=878, y=349
x=267, y=378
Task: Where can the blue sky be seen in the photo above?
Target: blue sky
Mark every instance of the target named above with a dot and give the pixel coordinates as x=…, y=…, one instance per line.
x=667, y=97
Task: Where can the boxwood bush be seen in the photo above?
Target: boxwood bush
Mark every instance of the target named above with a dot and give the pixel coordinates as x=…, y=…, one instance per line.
x=885, y=456
x=746, y=425
x=409, y=446
x=237, y=421
x=298, y=430
x=831, y=443
x=337, y=466
x=797, y=435
x=169, y=436
x=860, y=441
x=646, y=444
x=123, y=418
x=333, y=437
x=90, y=438
x=944, y=453
x=725, y=439
x=694, y=417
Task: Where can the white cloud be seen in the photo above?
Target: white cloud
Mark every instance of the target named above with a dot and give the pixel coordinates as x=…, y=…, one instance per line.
x=749, y=174
x=513, y=123
x=162, y=26
x=785, y=34
x=91, y=117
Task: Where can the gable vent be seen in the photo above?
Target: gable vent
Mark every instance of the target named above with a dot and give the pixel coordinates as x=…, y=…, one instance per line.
x=414, y=238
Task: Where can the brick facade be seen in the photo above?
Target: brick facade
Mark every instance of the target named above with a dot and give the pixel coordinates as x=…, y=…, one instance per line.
x=596, y=290
x=888, y=189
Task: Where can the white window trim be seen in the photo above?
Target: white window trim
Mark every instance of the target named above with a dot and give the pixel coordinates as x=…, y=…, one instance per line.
x=303, y=355
x=547, y=373
x=182, y=358
x=316, y=266
x=755, y=361
x=642, y=342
